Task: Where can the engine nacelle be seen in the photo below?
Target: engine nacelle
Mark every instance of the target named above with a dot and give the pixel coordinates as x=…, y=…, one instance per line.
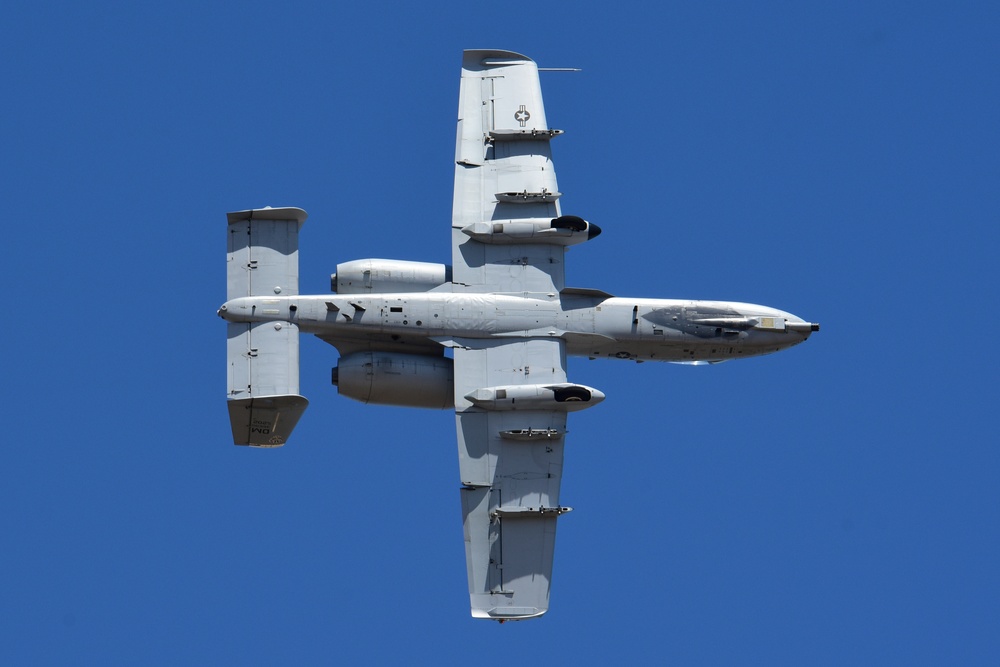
x=383, y=276
x=565, y=397
x=391, y=378
x=565, y=230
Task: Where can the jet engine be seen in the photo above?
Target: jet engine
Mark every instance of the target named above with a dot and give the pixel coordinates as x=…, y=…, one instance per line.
x=384, y=276
x=391, y=378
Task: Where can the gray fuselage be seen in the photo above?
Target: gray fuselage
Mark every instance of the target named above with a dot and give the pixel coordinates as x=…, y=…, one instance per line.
x=592, y=324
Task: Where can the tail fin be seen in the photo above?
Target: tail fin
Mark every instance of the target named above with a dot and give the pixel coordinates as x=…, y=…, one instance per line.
x=263, y=358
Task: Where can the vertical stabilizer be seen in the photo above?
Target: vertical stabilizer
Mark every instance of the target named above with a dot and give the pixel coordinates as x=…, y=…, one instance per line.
x=263, y=358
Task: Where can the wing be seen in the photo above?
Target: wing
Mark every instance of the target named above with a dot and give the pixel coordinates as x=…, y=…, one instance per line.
x=511, y=467
x=503, y=172
x=508, y=236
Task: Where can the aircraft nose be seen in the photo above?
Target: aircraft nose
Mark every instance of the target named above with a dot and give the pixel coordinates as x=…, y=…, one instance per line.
x=802, y=327
x=781, y=322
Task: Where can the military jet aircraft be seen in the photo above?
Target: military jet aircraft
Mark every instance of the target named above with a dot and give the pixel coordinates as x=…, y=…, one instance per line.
x=503, y=311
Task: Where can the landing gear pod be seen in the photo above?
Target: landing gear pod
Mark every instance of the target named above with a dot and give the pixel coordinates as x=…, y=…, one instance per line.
x=563, y=397
x=565, y=230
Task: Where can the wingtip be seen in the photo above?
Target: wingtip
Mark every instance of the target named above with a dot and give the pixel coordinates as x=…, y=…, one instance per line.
x=504, y=614
x=492, y=58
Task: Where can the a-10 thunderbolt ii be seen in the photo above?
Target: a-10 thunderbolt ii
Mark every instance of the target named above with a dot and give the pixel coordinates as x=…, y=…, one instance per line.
x=503, y=310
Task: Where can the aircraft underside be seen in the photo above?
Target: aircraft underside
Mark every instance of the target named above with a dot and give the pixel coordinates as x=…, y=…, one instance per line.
x=487, y=336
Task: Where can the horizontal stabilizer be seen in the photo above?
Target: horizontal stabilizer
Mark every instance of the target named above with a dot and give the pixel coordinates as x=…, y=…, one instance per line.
x=265, y=421
x=263, y=358
x=263, y=256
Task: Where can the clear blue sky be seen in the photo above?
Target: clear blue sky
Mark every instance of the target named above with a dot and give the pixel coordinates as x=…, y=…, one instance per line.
x=835, y=504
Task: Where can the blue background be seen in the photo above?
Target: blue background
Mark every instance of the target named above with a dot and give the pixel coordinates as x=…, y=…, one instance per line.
x=833, y=504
